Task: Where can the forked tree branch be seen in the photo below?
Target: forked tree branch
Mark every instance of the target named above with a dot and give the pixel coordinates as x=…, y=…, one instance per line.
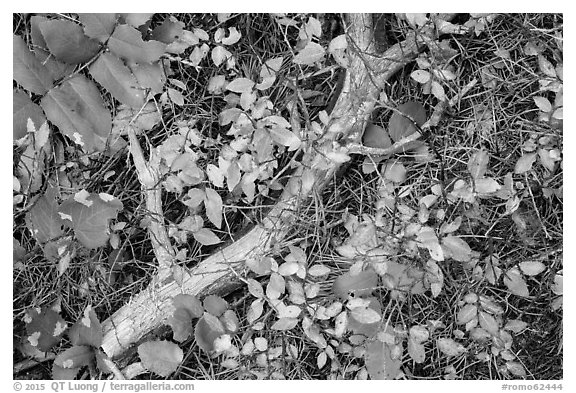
x=364, y=79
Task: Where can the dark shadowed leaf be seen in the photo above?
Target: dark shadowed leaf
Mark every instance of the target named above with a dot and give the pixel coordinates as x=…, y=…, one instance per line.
x=90, y=223
x=87, y=330
x=43, y=219
x=76, y=357
x=23, y=109
x=160, y=357
x=111, y=73
x=98, y=26
x=77, y=109
x=44, y=329
x=126, y=42
x=27, y=69
x=67, y=41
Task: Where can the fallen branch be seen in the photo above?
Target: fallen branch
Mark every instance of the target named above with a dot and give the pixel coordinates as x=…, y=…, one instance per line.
x=363, y=81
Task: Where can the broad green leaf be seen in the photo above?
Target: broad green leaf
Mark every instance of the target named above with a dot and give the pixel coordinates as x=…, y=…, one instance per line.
x=288, y=268
x=478, y=164
x=67, y=41
x=394, y=171
x=57, y=68
x=365, y=315
x=532, y=268
x=458, y=248
x=230, y=321
x=90, y=223
x=23, y=109
x=450, y=347
x=427, y=237
x=208, y=329
x=213, y=205
x=77, y=109
x=111, y=73
x=516, y=368
x=149, y=76
x=515, y=282
x=543, y=104
x=319, y=270
x=419, y=333
x=136, y=19
x=61, y=373
x=466, y=314
x=486, y=185
x=360, y=285
x=215, y=305
x=379, y=361
x=76, y=357
x=255, y=288
x=219, y=54
x=141, y=119
x=285, y=137
x=284, y=324
x=420, y=76
x=98, y=26
x=44, y=328
x=255, y=311
x=169, y=31
x=190, y=303
x=515, y=325
x=240, y=85
x=43, y=219
x=276, y=286
x=87, y=330
x=160, y=357
x=400, y=126
x=524, y=163
x=27, y=70
x=416, y=351
x=206, y=237
x=181, y=323
x=126, y=42
x=310, y=54
x=488, y=323
x=176, y=97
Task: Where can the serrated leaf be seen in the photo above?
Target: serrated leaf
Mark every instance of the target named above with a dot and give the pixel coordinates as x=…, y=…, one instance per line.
x=213, y=205
x=126, y=42
x=532, y=268
x=458, y=248
x=515, y=282
x=450, y=347
x=478, y=164
x=44, y=329
x=67, y=41
x=87, y=330
x=76, y=357
x=98, y=26
x=215, y=305
x=111, y=73
x=420, y=76
x=284, y=324
x=206, y=237
x=90, y=223
x=160, y=357
x=77, y=109
x=524, y=163
x=43, y=219
x=149, y=76
x=27, y=70
x=310, y=54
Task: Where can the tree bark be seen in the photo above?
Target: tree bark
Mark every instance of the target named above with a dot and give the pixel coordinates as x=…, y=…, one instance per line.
x=364, y=80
